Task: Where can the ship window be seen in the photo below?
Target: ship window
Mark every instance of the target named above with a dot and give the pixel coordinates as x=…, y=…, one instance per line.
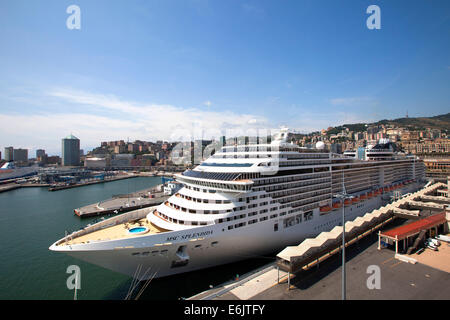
x=215, y=243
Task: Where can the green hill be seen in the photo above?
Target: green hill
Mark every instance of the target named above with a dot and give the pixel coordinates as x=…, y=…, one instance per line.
x=441, y=122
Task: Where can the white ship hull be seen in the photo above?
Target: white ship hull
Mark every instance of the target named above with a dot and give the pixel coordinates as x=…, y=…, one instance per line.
x=209, y=245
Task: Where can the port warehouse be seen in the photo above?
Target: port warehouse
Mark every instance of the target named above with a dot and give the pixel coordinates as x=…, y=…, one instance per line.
x=311, y=251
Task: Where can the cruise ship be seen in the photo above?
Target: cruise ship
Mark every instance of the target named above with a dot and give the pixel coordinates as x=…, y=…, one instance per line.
x=245, y=201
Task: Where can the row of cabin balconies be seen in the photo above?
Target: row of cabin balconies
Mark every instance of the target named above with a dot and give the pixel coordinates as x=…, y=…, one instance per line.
x=310, y=202
x=280, y=194
x=201, y=200
x=298, y=163
x=289, y=178
x=303, y=195
x=295, y=184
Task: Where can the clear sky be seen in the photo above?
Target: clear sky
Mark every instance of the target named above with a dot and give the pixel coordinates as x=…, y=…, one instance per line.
x=157, y=69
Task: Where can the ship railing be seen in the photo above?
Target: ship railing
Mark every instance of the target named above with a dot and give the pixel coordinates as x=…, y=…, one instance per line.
x=113, y=221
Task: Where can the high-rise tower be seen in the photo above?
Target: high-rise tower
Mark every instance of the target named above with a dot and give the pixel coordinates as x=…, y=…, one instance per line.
x=70, y=151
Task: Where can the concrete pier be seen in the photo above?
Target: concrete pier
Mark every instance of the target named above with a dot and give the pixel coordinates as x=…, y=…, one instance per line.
x=123, y=203
x=69, y=186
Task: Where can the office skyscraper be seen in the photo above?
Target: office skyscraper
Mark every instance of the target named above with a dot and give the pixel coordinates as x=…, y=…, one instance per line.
x=70, y=151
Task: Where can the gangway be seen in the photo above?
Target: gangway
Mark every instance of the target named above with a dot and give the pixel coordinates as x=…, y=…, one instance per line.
x=430, y=205
x=437, y=199
x=403, y=213
x=312, y=250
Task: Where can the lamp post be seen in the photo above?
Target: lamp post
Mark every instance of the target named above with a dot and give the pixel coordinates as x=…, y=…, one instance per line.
x=343, y=196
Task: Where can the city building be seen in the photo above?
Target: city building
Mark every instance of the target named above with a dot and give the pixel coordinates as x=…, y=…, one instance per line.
x=70, y=151
x=9, y=154
x=40, y=153
x=97, y=161
x=20, y=155
x=438, y=168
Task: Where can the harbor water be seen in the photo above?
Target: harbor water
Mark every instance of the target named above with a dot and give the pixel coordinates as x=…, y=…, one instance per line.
x=31, y=219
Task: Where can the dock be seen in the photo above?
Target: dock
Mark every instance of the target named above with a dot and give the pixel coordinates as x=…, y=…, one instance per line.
x=123, y=203
x=13, y=186
x=69, y=186
x=312, y=270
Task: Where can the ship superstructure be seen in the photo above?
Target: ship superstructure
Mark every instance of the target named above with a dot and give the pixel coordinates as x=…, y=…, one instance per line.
x=245, y=201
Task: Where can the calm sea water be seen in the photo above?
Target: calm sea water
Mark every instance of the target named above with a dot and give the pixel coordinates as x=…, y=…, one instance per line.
x=31, y=219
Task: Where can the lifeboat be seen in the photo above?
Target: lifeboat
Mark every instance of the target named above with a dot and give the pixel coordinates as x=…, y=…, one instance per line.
x=326, y=208
x=337, y=205
x=363, y=197
x=347, y=202
x=370, y=195
x=385, y=189
x=391, y=188
x=355, y=199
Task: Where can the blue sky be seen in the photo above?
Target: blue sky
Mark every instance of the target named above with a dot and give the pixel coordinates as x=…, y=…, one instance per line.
x=164, y=69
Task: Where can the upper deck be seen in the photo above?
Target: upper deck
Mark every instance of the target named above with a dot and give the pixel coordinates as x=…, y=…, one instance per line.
x=113, y=229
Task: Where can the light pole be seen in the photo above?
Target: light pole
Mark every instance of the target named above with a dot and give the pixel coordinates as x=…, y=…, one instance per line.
x=343, y=196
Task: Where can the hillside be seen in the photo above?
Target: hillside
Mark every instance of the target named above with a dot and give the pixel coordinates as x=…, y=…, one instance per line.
x=441, y=122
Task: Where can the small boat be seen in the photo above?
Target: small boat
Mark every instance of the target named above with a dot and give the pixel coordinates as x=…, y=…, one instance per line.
x=337, y=205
